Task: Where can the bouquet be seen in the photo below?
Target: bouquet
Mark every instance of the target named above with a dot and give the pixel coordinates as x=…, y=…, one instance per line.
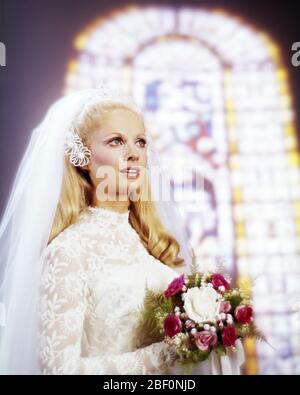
x=199, y=313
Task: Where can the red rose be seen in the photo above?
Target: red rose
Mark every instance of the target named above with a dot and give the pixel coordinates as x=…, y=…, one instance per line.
x=229, y=336
x=205, y=339
x=244, y=314
x=218, y=281
x=225, y=306
x=175, y=287
x=172, y=325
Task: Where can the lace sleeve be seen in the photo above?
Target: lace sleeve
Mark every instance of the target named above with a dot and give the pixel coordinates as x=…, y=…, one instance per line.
x=62, y=311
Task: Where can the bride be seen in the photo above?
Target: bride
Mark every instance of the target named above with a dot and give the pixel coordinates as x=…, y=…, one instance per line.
x=81, y=239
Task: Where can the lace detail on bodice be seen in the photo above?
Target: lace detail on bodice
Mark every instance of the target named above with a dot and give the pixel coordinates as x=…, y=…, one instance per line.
x=93, y=283
x=94, y=277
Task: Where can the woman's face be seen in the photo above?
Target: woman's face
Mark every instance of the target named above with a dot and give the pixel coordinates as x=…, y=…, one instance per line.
x=119, y=144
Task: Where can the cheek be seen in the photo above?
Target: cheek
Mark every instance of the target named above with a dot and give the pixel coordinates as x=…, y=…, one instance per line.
x=104, y=157
x=143, y=158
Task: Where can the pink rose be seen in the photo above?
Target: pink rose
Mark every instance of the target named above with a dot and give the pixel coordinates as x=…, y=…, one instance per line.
x=172, y=325
x=229, y=336
x=175, y=287
x=225, y=306
x=244, y=314
x=218, y=281
x=205, y=339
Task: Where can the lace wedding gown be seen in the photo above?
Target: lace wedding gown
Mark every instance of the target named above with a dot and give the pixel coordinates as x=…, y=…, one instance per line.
x=93, y=283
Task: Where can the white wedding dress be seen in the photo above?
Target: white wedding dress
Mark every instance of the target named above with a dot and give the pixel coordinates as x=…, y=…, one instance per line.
x=93, y=283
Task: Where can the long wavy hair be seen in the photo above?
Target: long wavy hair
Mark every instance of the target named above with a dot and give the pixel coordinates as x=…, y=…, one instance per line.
x=78, y=191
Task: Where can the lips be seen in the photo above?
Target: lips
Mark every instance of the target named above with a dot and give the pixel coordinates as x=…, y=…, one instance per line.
x=131, y=171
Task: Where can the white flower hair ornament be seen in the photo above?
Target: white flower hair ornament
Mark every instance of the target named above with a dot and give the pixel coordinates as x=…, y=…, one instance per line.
x=79, y=154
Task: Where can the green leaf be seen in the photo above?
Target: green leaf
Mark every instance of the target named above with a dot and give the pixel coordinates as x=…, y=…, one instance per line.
x=193, y=267
x=194, y=280
x=235, y=300
x=193, y=356
x=152, y=313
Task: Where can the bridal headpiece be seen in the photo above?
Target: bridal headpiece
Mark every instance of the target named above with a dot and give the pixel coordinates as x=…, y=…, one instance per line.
x=79, y=154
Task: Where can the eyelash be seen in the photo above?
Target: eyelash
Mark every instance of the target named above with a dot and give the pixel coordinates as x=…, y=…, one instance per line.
x=119, y=139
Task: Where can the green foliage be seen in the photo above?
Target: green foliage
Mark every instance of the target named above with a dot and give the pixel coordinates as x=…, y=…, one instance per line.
x=193, y=356
x=251, y=331
x=194, y=280
x=235, y=300
x=155, y=309
x=194, y=266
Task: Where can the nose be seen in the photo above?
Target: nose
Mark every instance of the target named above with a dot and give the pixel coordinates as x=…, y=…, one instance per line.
x=132, y=153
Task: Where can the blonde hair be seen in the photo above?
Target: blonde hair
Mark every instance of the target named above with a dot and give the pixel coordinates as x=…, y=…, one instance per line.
x=77, y=194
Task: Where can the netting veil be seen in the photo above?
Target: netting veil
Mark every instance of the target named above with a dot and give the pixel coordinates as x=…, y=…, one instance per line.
x=26, y=224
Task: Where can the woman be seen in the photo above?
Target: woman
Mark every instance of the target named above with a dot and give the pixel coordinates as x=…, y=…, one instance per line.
x=96, y=269
x=82, y=239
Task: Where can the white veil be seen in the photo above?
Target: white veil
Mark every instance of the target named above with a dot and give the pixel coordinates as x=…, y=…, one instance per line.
x=25, y=228
x=167, y=207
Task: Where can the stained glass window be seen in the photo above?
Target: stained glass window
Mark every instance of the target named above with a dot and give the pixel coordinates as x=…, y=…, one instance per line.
x=216, y=97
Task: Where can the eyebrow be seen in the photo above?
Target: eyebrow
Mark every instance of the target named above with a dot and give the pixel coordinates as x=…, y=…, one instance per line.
x=121, y=134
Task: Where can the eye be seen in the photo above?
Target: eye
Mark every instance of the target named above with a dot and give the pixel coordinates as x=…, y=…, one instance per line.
x=143, y=142
x=117, y=139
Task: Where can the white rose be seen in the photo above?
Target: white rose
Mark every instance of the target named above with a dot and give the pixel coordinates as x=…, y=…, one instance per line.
x=202, y=304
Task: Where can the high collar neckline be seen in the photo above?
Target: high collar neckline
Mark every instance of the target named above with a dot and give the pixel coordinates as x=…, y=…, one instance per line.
x=105, y=212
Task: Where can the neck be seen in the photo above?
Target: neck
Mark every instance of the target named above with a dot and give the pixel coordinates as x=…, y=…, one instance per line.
x=120, y=207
